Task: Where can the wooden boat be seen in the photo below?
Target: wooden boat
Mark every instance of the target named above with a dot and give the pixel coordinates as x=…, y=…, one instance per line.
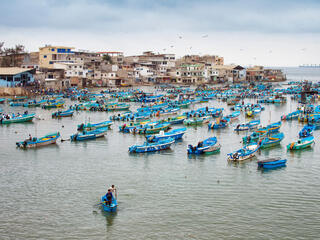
x=176, y=120
x=32, y=103
x=271, y=128
x=291, y=116
x=39, y=142
x=94, y=126
x=307, y=131
x=87, y=135
x=152, y=147
x=118, y=107
x=59, y=114
x=2, y=100
x=270, y=141
x=16, y=104
x=208, y=146
x=244, y=153
x=175, y=134
x=247, y=126
x=109, y=208
x=301, y=143
x=51, y=105
x=18, y=119
x=234, y=115
x=223, y=123
x=196, y=121
x=253, y=137
x=272, y=163
x=151, y=128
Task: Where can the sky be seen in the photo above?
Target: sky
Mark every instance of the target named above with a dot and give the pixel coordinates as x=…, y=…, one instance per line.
x=245, y=32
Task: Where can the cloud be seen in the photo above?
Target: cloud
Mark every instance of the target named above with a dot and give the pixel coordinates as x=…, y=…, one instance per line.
x=145, y=15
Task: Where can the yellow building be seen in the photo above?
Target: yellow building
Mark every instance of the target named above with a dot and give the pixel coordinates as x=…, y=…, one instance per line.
x=49, y=55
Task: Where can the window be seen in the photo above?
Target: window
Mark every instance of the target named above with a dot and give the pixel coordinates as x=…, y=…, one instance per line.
x=45, y=56
x=52, y=49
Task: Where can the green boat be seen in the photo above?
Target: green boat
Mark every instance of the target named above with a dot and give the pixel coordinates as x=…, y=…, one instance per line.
x=18, y=119
x=301, y=143
x=196, y=121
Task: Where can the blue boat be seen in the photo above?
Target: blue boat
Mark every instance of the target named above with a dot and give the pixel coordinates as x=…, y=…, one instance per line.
x=291, y=116
x=59, y=114
x=272, y=163
x=247, y=126
x=87, y=135
x=233, y=115
x=39, y=142
x=152, y=147
x=109, y=208
x=244, y=153
x=223, y=123
x=175, y=134
x=307, y=131
x=270, y=141
x=208, y=146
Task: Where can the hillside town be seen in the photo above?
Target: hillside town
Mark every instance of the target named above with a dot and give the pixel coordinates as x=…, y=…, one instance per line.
x=59, y=67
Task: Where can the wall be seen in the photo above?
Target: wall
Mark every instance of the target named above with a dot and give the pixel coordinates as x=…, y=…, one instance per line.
x=18, y=91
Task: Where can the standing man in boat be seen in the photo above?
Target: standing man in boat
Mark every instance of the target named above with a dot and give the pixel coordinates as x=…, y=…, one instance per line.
x=109, y=197
x=114, y=191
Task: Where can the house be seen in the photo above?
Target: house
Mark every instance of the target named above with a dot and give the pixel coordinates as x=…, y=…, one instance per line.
x=49, y=55
x=255, y=73
x=15, y=76
x=230, y=73
x=190, y=73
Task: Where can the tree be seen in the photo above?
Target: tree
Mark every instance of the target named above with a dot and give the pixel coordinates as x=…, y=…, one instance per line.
x=107, y=59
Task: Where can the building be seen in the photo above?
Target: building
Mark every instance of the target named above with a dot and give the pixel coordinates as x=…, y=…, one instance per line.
x=274, y=75
x=50, y=55
x=255, y=73
x=14, y=76
x=190, y=73
x=230, y=73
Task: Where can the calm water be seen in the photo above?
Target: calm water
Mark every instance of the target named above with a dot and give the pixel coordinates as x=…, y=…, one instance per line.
x=52, y=192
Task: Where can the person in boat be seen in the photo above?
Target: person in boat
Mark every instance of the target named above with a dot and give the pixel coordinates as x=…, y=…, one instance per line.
x=200, y=144
x=109, y=197
x=114, y=191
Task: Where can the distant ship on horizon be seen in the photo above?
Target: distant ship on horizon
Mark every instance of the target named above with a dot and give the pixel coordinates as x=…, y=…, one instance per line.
x=310, y=66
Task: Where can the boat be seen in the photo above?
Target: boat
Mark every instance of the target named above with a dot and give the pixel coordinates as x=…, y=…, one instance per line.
x=154, y=127
x=175, y=134
x=86, y=135
x=271, y=128
x=247, y=126
x=270, y=141
x=301, y=143
x=109, y=208
x=32, y=103
x=196, y=120
x=2, y=100
x=307, y=131
x=291, y=116
x=244, y=153
x=152, y=147
x=39, y=142
x=59, y=114
x=17, y=119
x=223, y=123
x=176, y=120
x=253, y=137
x=51, y=105
x=272, y=163
x=234, y=115
x=208, y=146
x=94, y=126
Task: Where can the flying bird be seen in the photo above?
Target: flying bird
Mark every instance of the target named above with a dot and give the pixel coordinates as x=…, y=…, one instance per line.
x=164, y=49
x=205, y=36
x=303, y=49
x=180, y=37
x=172, y=46
x=241, y=49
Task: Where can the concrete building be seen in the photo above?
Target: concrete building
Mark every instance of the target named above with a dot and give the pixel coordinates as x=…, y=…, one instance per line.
x=49, y=55
x=230, y=73
x=190, y=73
x=14, y=76
x=255, y=73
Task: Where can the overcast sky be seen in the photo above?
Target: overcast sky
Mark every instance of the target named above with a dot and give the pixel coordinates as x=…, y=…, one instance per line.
x=246, y=32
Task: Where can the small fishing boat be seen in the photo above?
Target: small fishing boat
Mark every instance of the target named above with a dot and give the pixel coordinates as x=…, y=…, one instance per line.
x=234, y=115
x=17, y=119
x=307, y=131
x=253, y=137
x=94, y=126
x=175, y=134
x=152, y=147
x=39, y=142
x=247, y=126
x=270, y=141
x=291, y=116
x=196, y=121
x=301, y=143
x=208, y=146
x=51, y=105
x=271, y=128
x=244, y=153
x=86, y=135
x=176, y=120
x=151, y=128
x=59, y=114
x=32, y=103
x=109, y=208
x=272, y=163
x=2, y=100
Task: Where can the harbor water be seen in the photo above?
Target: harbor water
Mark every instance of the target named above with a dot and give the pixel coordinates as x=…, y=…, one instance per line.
x=54, y=192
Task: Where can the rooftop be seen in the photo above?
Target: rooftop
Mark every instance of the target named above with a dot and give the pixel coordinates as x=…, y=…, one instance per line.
x=13, y=70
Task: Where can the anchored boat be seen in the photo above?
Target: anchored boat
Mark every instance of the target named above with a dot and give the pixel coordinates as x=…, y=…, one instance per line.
x=39, y=142
x=208, y=146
